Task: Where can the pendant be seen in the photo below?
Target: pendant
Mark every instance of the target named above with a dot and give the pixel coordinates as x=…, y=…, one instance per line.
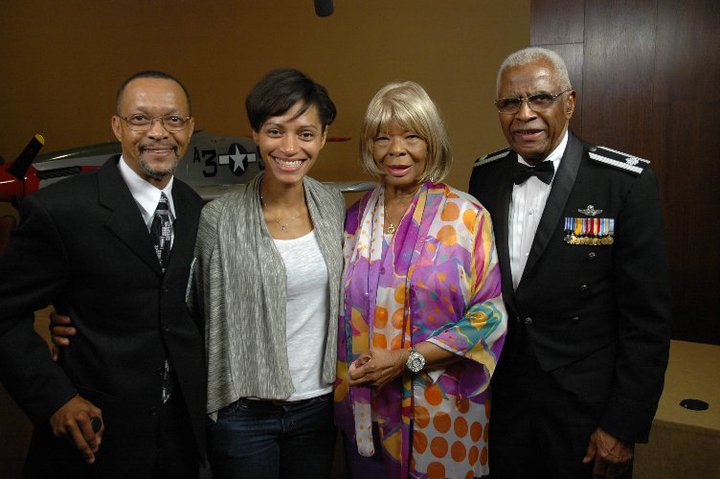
x=391, y=229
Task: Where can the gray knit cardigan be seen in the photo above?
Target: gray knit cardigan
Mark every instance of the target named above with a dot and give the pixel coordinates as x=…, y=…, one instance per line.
x=239, y=288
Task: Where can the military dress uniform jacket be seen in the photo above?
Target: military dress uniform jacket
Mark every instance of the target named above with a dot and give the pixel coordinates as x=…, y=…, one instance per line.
x=594, y=298
x=83, y=246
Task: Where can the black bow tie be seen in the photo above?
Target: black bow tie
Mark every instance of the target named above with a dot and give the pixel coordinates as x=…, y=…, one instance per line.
x=544, y=172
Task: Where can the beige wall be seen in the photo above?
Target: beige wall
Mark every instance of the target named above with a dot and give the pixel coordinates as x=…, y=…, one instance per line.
x=62, y=61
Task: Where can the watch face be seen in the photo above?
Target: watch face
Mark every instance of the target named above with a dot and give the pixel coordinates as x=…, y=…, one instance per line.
x=415, y=362
x=415, y=365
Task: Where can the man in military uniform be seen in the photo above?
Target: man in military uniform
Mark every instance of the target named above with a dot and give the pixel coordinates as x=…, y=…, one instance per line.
x=585, y=280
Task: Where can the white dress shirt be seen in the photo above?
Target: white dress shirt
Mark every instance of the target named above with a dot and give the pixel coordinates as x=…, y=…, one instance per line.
x=526, y=208
x=146, y=195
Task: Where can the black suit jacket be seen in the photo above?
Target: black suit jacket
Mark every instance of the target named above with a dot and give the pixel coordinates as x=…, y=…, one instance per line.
x=597, y=316
x=82, y=246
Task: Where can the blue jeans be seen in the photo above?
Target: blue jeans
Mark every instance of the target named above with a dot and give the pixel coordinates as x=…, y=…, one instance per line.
x=270, y=440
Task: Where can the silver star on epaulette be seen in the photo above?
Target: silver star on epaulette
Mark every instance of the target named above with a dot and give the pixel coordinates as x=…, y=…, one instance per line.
x=632, y=161
x=590, y=210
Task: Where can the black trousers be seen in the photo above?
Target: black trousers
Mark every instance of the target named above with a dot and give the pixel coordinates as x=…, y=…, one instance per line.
x=538, y=430
x=170, y=450
x=177, y=451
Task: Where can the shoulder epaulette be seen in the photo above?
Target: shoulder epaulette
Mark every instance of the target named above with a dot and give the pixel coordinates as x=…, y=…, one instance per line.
x=490, y=157
x=618, y=159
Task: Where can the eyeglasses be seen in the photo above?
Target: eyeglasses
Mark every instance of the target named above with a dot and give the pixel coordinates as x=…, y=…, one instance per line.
x=142, y=122
x=537, y=102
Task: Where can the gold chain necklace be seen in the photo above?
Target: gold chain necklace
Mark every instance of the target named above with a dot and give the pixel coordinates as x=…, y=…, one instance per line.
x=282, y=225
x=391, y=228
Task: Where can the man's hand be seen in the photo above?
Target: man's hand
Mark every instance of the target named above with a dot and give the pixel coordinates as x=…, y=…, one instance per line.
x=61, y=331
x=73, y=420
x=612, y=456
x=377, y=367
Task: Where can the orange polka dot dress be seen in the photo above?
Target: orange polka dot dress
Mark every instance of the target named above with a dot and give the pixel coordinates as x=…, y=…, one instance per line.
x=436, y=280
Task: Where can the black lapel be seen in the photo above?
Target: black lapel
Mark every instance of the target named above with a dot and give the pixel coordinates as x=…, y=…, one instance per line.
x=125, y=220
x=562, y=186
x=501, y=227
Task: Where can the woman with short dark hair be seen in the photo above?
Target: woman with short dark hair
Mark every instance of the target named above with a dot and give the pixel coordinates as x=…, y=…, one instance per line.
x=266, y=282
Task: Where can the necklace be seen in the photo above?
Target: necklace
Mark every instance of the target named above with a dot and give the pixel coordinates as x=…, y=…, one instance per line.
x=391, y=227
x=283, y=226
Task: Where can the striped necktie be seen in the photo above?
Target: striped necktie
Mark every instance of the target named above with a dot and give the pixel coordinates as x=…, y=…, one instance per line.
x=162, y=231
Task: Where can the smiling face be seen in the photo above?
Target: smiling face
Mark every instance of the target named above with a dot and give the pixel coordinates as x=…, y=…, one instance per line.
x=290, y=144
x=153, y=154
x=534, y=135
x=400, y=156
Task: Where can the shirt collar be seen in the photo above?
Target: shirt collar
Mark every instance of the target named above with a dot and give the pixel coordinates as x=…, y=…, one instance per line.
x=146, y=195
x=555, y=156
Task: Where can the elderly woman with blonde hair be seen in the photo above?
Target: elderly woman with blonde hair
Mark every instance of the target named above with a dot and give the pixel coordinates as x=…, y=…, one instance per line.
x=423, y=320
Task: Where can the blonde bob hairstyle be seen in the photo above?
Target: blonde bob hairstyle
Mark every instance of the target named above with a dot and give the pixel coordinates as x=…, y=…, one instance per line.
x=408, y=106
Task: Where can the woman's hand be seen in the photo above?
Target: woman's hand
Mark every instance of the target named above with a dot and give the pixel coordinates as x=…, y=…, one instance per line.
x=61, y=331
x=377, y=367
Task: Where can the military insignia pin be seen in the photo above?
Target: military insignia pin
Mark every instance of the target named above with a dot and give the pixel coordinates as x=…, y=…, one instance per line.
x=590, y=210
x=589, y=231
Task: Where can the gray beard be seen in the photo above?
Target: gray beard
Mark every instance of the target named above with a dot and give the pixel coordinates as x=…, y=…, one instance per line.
x=158, y=174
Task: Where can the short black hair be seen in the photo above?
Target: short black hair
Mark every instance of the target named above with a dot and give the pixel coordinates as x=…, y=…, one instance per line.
x=150, y=74
x=282, y=88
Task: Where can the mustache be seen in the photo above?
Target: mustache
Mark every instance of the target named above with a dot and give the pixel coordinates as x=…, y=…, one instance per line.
x=155, y=146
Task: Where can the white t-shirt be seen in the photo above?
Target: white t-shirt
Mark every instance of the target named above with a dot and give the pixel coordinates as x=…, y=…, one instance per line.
x=307, y=314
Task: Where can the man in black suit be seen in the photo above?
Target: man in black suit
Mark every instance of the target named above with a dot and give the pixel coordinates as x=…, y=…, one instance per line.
x=585, y=280
x=135, y=367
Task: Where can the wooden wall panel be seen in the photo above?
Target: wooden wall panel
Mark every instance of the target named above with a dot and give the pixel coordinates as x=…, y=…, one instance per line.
x=687, y=59
x=649, y=86
x=686, y=93
x=687, y=151
x=572, y=53
x=694, y=260
x=559, y=25
x=556, y=22
x=618, y=74
x=691, y=154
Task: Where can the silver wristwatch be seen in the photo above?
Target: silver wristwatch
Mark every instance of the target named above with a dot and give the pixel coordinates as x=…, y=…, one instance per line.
x=415, y=362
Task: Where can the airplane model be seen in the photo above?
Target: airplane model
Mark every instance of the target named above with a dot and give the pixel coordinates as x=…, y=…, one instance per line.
x=212, y=165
